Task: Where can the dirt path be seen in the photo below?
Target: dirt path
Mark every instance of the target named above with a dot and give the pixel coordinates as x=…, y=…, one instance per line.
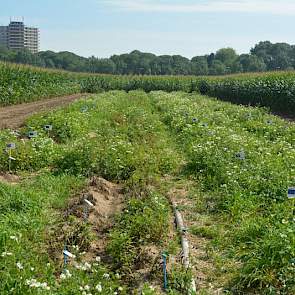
x=15, y=115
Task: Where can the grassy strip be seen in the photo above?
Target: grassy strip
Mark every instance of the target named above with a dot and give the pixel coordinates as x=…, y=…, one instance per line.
x=117, y=136
x=248, y=173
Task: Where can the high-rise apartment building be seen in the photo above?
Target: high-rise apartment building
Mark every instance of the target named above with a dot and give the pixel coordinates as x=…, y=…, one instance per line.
x=17, y=36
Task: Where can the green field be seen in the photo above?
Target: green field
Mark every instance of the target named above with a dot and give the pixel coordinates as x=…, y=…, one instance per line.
x=274, y=90
x=234, y=164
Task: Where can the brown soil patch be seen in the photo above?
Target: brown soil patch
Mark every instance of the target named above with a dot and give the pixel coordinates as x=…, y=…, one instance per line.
x=15, y=115
x=9, y=178
x=107, y=200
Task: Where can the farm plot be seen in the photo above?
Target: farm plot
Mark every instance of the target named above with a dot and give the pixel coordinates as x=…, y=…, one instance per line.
x=227, y=167
x=243, y=160
x=116, y=136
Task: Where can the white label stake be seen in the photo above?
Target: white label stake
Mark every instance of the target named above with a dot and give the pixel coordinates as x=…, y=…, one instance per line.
x=69, y=254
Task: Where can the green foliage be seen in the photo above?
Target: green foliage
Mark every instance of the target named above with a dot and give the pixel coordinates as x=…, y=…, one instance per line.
x=243, y=157
x=20, y=84
x=143, y=222
x=180, y=281
x=273, y=90
x=123, y=143
x=265, y=56
x=118, y=136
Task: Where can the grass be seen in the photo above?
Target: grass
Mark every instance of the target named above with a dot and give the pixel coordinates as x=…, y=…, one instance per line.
x=234, y=163
x=117, y=136
x=249, y=191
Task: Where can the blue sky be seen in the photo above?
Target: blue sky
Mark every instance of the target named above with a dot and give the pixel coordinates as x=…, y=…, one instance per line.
x=186, y=27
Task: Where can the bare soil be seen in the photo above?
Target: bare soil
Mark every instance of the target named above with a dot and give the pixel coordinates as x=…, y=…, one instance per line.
x=15, y=115
x=107, y=200
x=9, y=178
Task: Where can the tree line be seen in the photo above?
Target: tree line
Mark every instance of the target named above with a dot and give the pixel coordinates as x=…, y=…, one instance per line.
x=264, y=56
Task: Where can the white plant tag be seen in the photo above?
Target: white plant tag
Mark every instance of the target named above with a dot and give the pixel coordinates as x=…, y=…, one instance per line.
x=69, y=254
x=88, y=203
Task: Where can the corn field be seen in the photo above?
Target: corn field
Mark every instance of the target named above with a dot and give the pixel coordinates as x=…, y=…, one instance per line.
x=275, y=90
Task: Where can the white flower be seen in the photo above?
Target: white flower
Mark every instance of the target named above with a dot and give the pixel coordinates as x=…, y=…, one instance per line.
x=98, y=288
x=106, y=276
x=33, y=283
x=29, y=282
x=84, y=266
x=19, y=265
x=86, y=287
x=120, y=289
x=65, y=275
x=32, y=268
x=6, y=254
x=44, y=285
x=117, y=276
x=98, y=259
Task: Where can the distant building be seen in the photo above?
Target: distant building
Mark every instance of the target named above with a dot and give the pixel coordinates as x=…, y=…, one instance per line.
x=17, y=36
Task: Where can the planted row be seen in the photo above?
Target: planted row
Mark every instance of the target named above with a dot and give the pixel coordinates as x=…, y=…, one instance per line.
x=20, y=84
x=247, y=173
x=117, y=136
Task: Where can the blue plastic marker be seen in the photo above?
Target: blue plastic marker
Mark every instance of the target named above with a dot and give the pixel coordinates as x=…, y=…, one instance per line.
x=32, y=134
x=291, y=196
x=65, y=256
x=291, y=193
x=164, y=257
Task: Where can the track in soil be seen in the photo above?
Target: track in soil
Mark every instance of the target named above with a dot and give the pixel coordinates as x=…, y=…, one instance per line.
x=15, y=115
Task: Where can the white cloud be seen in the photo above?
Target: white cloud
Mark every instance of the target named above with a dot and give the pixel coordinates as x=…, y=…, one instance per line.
x=283, y=7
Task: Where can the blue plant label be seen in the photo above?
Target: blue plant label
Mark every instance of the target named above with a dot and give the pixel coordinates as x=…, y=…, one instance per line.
x=10, y=146
x=241, y=155
x=32, y=134
x=84, y=109
x=48, y=127
x=291, y=193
